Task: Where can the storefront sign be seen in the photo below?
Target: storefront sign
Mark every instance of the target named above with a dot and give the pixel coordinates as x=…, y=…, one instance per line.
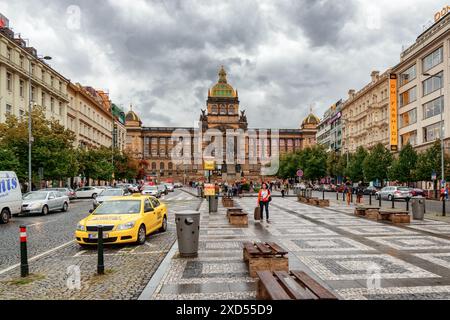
x=336, y=117
x=209, y=165
x=393, y=112
x=210, y=189
x=440, y=14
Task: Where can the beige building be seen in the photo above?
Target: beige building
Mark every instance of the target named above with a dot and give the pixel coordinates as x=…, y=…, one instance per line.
x=20, y=65
x=421, y=98
x=365, y=115
x=87, y=117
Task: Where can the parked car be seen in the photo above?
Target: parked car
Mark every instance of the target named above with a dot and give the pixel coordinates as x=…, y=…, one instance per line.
x=178, y=185
x=88, y=192
x=387, y=193
x=67, y=191
x=124, y=219
x=44, y=202
x=151, y=190
x=163, y=189
x=108, y=194
x=415, y=192
x=10, y=196
x=170, y=187
x=370, y=190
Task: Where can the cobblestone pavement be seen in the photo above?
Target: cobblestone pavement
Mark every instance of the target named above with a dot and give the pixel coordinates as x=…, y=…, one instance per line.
x=128, y=268
x=354, y=257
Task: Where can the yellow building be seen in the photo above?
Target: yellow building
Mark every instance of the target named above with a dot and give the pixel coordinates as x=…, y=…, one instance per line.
x=365, y=115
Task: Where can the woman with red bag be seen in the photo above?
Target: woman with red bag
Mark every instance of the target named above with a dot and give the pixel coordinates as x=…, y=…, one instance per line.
x=264, y=198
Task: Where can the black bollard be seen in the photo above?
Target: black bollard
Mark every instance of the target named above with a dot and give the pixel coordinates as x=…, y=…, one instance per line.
x=100, y=262
x=323, y=194
x=407, y=204
x=337, y=195
x=370, y=198
x=443, y=206
x=351, y=196
x=343, y=196
x=393, y=206
x=23, y=252
x=379, y=200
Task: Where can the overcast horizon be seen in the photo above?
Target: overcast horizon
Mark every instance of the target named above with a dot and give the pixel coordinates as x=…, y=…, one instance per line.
x=162, y=56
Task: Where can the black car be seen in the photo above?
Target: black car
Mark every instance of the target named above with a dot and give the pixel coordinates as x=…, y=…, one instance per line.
x=370, y=190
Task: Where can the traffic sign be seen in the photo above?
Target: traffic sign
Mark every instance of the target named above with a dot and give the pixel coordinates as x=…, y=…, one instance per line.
x=299, y=173
x=433, y=176
x=210, y=189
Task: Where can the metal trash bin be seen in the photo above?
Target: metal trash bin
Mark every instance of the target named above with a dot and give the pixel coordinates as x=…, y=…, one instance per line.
x=188, y=231
x=213, y=203
x=418, y=207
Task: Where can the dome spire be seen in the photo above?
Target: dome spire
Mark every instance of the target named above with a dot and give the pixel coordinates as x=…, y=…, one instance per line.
x=222, y=75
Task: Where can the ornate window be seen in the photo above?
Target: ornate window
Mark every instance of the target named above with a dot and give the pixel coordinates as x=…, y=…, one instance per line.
x=214, y=109
x=231, y=109
x=223, y=109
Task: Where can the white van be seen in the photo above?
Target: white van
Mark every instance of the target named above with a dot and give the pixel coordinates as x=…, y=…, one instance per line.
x=10, y=196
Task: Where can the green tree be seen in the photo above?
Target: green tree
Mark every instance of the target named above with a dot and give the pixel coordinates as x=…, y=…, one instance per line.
x=377, y=163
x=315, y=162
x=404, y=167
x=333, y=159
x=355, y=169
x=8, y=160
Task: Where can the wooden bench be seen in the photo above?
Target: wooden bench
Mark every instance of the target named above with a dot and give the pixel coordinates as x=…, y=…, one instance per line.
x=227, y=202
x=265, y=256
x=324, y=203
x=237, y=217
x=295, y=285
x=370, y=212
x=314, y=201
x=394, y=215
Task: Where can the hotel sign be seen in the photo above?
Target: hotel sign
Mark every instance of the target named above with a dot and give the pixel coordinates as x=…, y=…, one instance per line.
x=393, y=112
x=440, y=14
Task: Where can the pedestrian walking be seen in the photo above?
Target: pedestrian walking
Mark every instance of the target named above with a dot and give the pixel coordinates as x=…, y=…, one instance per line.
x=359, y=194
x=349, y=191
x=264, y=197
x=282, y=191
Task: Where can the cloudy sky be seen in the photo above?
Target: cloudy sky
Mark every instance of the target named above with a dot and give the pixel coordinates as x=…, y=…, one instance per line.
x=283, y=56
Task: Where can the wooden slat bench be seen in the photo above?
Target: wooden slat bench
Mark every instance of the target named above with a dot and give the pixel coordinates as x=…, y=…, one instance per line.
x=324, y=203
x=370, y=212
x=314, y=201
x=237, y=217
x=394, y=215
x=227, y=202
x=265, y=256
x=295, y=285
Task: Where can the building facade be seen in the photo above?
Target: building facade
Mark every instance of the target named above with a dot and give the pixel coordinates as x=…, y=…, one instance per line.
x=423, y=87
x=329, y=130
x=25, y=77
x=221, y=116
x=365, y=115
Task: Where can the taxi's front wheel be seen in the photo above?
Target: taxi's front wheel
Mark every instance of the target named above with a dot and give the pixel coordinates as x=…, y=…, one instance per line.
x=141, y=235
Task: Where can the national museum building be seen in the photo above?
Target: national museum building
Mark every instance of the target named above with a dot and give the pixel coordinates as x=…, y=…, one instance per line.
x=222, y=115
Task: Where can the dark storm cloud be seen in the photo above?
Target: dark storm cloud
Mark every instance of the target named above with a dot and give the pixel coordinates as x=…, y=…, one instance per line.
x=162, y=56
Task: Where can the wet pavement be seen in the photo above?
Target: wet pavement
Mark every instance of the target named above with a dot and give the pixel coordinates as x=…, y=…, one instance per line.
x=354, y=257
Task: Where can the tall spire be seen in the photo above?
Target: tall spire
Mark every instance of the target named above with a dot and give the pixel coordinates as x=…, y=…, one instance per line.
x=131, y=107
x=222, y=75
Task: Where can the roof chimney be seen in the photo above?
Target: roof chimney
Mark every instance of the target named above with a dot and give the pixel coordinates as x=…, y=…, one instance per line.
x=375, y=75
x=351, y=93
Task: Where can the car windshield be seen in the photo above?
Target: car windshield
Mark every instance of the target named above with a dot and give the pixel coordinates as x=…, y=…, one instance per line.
x=403, y=189
x=35, y=196
x=111, y=193
x=151, y=188
x=119, y=207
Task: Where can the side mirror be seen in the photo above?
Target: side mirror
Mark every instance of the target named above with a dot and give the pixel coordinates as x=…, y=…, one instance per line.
x=91, y=210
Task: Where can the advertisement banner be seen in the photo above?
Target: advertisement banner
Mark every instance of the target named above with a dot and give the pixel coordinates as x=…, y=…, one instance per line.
x=393, y=112
x=210, y=189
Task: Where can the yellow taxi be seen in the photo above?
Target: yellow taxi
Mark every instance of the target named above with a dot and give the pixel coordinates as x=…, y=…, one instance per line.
x=124, y=219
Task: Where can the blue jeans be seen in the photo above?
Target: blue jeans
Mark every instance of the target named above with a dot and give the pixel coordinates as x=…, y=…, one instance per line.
x=263, y=205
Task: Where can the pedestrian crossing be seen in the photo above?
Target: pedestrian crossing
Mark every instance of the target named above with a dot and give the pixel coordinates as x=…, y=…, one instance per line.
x=181, y=196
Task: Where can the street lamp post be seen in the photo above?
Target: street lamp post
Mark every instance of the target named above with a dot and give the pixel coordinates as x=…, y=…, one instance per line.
x=30, y=101
x=441, y=132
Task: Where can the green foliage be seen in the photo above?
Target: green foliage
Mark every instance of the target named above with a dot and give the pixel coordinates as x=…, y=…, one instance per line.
x=355, y=170
x=8, y=160
x=377, y=163
x=311, y=160
x=403, y=168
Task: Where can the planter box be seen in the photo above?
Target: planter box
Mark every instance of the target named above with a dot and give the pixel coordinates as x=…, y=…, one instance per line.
x=324, y=203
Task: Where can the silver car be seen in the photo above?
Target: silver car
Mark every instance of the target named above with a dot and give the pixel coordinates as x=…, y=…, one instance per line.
x=170, y=187
x=67, y=191
x=44, y=202
x=152, y=191
x=107, y=194
x=393, y=192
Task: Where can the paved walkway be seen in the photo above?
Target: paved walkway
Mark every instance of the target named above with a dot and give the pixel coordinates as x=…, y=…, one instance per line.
x=354, y=257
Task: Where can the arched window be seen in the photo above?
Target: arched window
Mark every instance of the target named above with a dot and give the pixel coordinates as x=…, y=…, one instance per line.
x=223, y=109
x=161, y=166
x=230, y=109
x=214, y=109
x=170, y=166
